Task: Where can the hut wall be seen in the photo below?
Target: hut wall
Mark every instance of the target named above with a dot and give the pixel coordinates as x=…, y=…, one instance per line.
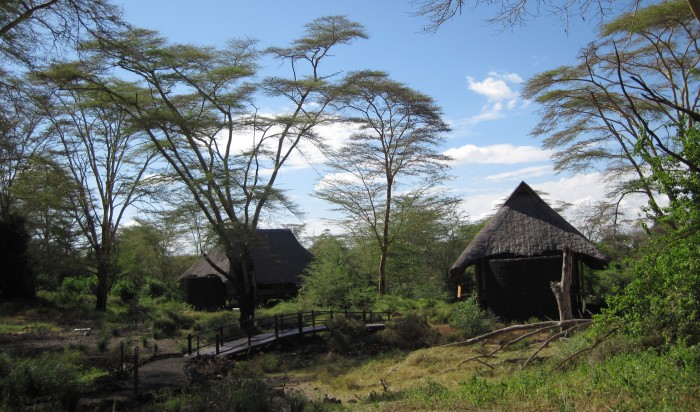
x=205, y=292
x=272, y=291
x=518, y=289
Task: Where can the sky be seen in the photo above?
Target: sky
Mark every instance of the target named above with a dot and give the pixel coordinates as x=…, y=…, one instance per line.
x=473, y=71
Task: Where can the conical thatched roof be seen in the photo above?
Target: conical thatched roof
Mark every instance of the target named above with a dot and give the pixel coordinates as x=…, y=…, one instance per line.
x=525, y=226
x=278, y=257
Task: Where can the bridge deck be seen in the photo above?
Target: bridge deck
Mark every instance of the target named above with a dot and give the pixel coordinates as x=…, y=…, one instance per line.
x=243, y=345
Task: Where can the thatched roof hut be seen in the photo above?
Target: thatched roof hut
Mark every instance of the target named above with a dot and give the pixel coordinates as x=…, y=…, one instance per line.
x=279, y=260
x=519, y=252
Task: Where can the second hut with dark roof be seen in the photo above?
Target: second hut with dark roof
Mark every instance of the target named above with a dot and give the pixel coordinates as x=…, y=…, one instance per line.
x=518, y=254
x=279, y=260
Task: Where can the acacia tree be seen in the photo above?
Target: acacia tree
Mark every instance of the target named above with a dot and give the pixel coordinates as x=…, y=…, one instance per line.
x=512, y=13
x=32, y=30
x=398, y=132
x=21, y=140
x=105, y=159
x=634, y=82
x=196, y=104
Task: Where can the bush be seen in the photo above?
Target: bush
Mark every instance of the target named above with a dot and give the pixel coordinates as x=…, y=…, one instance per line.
x=662, y=303
x=154, y=288
x=51, y=379
x=83, y=285
x=470, y=320
x=408, y=332
x=346, y=335
x=127, y=290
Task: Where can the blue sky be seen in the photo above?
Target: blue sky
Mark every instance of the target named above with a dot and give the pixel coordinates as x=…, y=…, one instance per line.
x=473, y=71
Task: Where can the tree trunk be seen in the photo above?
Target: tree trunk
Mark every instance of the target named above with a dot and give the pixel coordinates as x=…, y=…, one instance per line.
x=562, y=289
x=382, y=272
x=102, y=289
x=242, y=272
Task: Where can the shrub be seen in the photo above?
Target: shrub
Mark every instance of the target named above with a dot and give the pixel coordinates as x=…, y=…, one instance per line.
x=346, y=335
x=154, y=288
x=470, y=320
x=83, y=285
x=127, y=290
x=51, y=379
x=408, y=332
x=662, y=302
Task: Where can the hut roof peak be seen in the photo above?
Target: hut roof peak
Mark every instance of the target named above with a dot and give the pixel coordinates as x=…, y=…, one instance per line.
x=526, y=226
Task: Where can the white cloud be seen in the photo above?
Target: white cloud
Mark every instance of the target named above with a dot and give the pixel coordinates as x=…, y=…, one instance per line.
x=579, y=190
x=496, y=86
x=498, y=89
x=521, y=174
x=497, y=154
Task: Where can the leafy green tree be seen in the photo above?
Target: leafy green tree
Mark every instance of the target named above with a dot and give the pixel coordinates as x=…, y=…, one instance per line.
x=44, y=199
x=196, y=105
x=638, y=78
x=105, y=159
x=662, y=303
x=395, y=147
x=148, y=249
x=332, y=280
x=21, y=139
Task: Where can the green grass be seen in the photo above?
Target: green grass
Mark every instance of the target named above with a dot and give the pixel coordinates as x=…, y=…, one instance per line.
x=616, y=375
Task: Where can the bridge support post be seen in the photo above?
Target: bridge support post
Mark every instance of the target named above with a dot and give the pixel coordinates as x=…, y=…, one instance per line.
x=300, y=322
x=136, y=370
x=364, y=316
x=198, y=344
x=221, y=334
x=277, y=329
x=217, y=343
x=313, y=320
x=189, y=344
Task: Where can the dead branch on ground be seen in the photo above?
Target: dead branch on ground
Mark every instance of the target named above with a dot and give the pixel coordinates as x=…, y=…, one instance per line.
x=566, y=326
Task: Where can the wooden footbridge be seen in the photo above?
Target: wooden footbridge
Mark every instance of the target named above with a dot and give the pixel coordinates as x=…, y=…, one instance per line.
x=231, y=340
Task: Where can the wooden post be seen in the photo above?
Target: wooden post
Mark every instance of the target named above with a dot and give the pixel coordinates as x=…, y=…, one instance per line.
x=562, y=289
x=136, y=370
x=313, y=320
x=189, y=344
x=198, y=344
x=277, y=329
x=300, y=322
x=217, y=343
x=121, y=356
x=221, y=334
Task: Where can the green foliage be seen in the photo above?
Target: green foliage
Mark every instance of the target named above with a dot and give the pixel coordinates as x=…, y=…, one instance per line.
x=346, y=335
x=470, y=320
x=332, y=281
x=408, y=332
x=233, y=393
x=154, y=288
x=211, y=320
x=54, y=380
x=127, y=290
x=83, y=285
x=662, y=303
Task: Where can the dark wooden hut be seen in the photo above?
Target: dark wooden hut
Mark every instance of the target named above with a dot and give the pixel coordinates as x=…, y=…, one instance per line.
x=518, y=254
x=279, y=260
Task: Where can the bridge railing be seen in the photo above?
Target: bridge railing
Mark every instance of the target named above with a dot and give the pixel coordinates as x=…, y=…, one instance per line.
x=271, y=328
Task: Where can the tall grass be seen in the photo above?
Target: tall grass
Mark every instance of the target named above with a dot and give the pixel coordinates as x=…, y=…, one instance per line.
x=48, y=381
